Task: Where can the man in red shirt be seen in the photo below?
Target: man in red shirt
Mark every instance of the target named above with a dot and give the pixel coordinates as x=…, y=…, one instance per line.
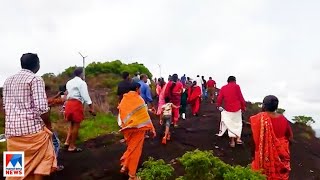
x=231, y=114
x=211, y=87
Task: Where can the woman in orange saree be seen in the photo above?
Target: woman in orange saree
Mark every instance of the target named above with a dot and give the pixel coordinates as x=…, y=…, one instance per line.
x=135, y=122
x=271, y=134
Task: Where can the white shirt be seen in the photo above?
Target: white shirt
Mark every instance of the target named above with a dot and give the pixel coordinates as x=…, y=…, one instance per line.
x=167, y=109
x=148, y=82
x=199, y=83
x=78, y=89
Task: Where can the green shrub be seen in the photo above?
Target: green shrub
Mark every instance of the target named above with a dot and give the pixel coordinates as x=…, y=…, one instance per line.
x=198, y=165
x=155, y=170
x=303, y=120
x=240, y=173
x=203, y=165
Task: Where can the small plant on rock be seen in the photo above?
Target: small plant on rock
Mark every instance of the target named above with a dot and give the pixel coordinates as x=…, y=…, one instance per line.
x=155, y=170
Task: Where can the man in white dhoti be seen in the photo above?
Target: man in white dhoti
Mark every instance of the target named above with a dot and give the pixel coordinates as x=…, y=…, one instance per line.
x=231, y=114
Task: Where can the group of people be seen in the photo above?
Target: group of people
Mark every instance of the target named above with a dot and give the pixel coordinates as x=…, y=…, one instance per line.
x=28, y=127
x=271, y=131
x=27, y=117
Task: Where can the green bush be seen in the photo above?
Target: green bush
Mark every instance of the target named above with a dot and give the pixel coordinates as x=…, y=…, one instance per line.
x=303, y=120
x=155, y=170
x=240, y=173
x=203, y=165
x=198, y=165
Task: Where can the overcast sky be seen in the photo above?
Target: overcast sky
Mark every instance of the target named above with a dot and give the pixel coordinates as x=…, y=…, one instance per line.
x=271, y=46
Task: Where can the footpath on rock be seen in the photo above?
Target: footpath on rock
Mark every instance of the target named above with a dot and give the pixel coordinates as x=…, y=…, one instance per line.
x=100, y=158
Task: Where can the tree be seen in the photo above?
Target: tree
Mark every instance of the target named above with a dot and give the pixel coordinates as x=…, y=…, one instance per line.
x=303, y=120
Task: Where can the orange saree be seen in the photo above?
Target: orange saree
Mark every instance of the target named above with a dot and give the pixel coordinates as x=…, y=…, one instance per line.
x=135, y=121
x=272, y=155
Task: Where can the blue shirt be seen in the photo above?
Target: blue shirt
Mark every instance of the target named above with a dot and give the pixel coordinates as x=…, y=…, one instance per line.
x=145, y=92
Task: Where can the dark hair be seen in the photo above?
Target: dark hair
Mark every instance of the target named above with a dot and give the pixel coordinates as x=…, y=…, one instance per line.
x=194, y=83
x=210, y=77
x=198, y=75
x=78, y=71
x=174, y=82
x=134, y=86
x=270, y=103
x=142, y=76
x=175, y=77
x=125, y=75
x=167, y=100
x=29, y=61
x=231, y=79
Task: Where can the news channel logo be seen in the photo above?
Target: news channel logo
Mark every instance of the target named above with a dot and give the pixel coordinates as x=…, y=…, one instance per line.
x=13, y=164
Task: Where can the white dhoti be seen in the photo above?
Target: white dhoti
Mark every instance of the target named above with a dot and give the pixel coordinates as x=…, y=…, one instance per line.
x=231, y=121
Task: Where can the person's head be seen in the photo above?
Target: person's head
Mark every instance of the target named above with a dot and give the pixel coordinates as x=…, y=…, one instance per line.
x=125, y=75
x=210, y=78
x=198, y=75
x=78, y=72
x=184, y=75
x=202, y=77
x=30, y=62
x=144, y=78
x=167, y=100
x=270, y=103
x=188, y=78
x=231, y=79
x=170, y=78
x=175, y=77
x=194, y=83
x=135, y=87
x=159, y=80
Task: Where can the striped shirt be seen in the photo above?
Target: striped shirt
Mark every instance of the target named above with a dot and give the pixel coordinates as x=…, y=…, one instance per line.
x=24, y=101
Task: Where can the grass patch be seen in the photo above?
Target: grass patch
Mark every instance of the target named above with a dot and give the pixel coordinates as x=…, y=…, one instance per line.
x=97, y=126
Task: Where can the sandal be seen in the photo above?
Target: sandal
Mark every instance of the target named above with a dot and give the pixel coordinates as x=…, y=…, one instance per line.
x=60, y=167
x=164, y=140
x=76, y=150
x=168, y=137
x=123, y=170
x=239, y=142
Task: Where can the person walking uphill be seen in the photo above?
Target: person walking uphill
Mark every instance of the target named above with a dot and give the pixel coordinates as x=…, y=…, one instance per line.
x=145, y=92
x=194, y=98
x=77, y=95
x=25, y=101
x=124, y=85
x=135, y=122
x=271, y=134
x=231, y=115
x=173, y=92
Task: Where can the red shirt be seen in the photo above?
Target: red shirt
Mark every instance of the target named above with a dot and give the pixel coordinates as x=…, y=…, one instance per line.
x=211, y=83
x=232, y=97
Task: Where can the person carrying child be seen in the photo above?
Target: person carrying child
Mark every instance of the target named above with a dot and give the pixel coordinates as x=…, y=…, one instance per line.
x=165, y=118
